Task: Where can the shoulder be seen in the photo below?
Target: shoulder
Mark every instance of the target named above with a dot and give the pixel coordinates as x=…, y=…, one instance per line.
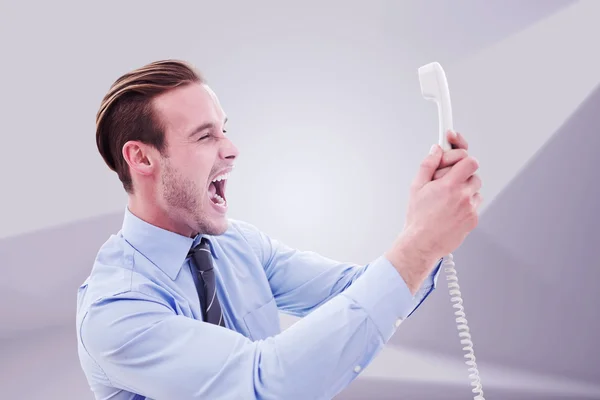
x=116, y=275
x=122, y=293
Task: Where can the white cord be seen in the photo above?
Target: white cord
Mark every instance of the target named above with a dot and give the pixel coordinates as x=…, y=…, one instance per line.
x=461, y=321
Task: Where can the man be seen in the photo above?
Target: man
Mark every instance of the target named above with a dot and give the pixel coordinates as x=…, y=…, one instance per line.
x=183, y=302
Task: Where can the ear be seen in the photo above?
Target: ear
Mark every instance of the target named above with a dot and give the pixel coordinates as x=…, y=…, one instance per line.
x=139, y=157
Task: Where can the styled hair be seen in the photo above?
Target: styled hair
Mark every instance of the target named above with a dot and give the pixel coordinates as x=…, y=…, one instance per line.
x=127, y=113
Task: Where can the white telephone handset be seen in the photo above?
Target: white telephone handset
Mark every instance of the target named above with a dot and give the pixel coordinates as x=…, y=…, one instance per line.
x=434, y=86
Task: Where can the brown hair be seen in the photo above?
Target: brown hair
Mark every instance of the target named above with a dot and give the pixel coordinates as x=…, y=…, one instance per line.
x=126, y=112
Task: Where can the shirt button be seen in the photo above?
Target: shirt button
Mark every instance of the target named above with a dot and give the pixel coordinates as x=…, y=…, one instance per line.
x=357, y=369
x=398, y=322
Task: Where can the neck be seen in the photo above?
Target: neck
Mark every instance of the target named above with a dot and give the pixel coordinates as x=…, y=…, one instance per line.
x=150, y=212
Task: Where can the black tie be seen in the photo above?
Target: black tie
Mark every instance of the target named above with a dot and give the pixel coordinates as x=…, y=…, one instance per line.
x=209, y=302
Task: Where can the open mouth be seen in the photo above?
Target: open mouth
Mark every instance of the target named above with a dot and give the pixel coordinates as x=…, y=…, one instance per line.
x=216, y=190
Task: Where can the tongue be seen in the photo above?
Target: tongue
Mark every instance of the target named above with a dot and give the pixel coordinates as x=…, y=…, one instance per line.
x=212, y=189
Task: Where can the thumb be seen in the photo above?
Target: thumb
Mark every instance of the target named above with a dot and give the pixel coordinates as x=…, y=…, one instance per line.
x=428, y=166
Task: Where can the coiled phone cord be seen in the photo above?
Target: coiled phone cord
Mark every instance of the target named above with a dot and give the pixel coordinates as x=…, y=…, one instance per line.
x=461, y=321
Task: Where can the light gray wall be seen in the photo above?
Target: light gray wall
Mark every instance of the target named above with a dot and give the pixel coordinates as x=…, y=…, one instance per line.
x=336, y=82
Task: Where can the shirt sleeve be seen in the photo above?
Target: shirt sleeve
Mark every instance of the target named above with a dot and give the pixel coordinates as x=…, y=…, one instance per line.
x=144, y=347
x=303, y=280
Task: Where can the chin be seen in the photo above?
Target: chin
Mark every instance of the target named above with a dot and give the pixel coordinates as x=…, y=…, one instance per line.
x=213, y=216
x=213, y=226
x=220, y=226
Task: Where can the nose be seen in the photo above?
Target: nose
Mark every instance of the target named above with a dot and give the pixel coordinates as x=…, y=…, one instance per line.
x=228, y=150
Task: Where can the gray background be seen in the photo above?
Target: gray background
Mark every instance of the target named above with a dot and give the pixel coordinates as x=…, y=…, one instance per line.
x=324, y=105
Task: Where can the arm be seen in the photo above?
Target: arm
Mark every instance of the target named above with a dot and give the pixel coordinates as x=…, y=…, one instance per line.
x=144, y=347
x=301, y=281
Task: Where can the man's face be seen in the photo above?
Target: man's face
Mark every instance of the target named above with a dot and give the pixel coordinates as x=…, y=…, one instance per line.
x=193, y=174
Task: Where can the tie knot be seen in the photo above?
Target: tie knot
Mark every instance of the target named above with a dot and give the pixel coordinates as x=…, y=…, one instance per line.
x=202, y=256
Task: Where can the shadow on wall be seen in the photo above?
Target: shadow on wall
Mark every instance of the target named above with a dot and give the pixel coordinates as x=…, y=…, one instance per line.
x=41, y=290
x=529, y=272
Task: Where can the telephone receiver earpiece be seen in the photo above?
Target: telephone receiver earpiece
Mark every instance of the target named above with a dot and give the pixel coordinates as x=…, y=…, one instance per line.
x=434, y=87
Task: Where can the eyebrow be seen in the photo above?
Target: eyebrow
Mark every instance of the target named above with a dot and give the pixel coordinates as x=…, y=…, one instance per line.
x=205, y=126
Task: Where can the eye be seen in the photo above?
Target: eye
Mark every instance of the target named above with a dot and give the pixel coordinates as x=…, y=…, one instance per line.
x=203, y=137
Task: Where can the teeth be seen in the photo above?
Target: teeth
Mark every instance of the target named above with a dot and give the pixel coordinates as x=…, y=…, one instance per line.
x=221, y=177
x=219, y=199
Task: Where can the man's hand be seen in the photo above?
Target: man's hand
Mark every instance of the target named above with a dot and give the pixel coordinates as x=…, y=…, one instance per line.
x=458, y=152
x=442, y=211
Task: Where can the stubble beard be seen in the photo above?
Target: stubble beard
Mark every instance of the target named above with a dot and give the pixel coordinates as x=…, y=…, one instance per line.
x=184, y=198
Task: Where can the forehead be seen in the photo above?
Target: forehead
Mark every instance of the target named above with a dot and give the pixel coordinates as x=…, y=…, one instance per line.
x=187, y=107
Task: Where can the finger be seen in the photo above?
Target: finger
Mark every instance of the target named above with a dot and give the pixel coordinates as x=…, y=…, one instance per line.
x=440, y=173
x=462, y=170
x=428, y=167
x=457, y=141
x=476, y=200
x=474, y=184
x=453, y=156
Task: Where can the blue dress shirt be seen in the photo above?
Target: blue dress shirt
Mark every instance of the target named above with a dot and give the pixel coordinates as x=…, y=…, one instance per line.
x=141, y=336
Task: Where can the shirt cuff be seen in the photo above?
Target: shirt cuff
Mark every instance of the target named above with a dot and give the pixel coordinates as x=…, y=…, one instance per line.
x=383, y=294
x=427, y=287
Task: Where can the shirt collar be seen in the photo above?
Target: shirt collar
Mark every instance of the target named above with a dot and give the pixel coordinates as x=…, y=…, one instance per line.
x=165, y=249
